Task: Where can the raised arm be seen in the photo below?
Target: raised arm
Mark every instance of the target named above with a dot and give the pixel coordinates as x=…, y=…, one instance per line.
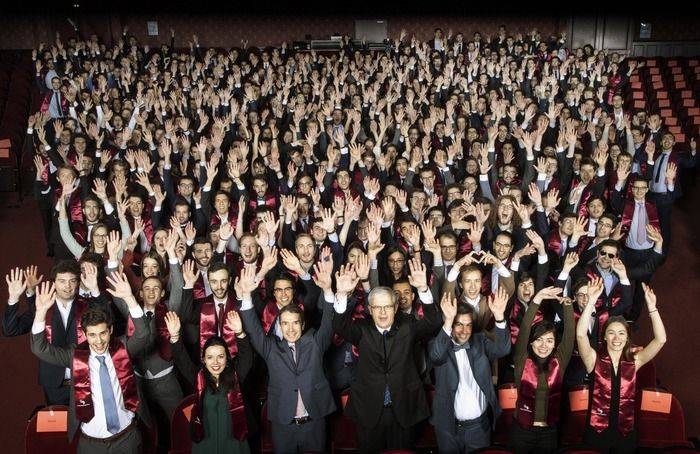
x=654, y=347
x=42, y=349
x=588, y=353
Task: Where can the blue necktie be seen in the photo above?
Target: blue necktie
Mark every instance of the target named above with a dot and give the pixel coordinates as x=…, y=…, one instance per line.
x=108, y=397
x=387, y=394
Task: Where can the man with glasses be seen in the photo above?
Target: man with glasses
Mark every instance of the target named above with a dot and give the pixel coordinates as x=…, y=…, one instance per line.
x=387, y=397
x=605, y=228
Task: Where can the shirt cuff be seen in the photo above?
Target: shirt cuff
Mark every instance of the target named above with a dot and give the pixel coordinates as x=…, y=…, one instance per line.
x=341, y=304
x=136, y=312
x=38, y=327
x=503, y=271
x=426, y=297
x=501, y=325
x=247, y=303
x=542, y=259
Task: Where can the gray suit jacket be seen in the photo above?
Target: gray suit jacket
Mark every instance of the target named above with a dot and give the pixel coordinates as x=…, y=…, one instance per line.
x=63, y=357
x=288, y=377
x=481, y=351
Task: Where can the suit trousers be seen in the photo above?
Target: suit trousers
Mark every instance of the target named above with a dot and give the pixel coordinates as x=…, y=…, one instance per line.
x=664, y=207
x=164, y=392
x=292, y=438
x=128, y=443
x=388, y=434
x=57, y=395
x=533, y=440
x=469, y=436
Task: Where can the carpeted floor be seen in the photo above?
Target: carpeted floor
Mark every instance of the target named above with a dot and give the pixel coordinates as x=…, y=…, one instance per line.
x=677, y=284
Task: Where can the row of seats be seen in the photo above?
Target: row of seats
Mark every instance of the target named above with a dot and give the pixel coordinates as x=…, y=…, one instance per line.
x=656, y=430
x=16, y=94
x=671, y=87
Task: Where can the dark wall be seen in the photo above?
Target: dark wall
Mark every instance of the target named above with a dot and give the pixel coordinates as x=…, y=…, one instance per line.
x=22, y=31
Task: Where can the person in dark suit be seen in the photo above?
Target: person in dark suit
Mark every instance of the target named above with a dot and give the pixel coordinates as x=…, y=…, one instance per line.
x=465, y=406
x=299, y=395
x=104, y=398
x=386, y=397
x=62, y=320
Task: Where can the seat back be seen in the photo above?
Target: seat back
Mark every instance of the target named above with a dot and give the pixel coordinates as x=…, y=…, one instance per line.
x=180, y=438
x=503, y=423
x=48, y=442
x=343, y=429
x=657, y=429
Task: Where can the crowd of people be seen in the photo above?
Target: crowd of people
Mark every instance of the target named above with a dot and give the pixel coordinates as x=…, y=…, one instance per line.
x=456, y=213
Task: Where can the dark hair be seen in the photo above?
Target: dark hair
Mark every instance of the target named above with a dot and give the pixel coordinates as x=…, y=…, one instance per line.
x=293, y=309
x=464, y=309
x=619, y=319
x=217, y=266
x=539, y=330
x=94, y=316
x=610, y=243
x=227, y=378
x=65, y=266
x=152, y=254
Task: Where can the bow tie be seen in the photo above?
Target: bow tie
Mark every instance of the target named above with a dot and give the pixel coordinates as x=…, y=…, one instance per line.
x=459, y=347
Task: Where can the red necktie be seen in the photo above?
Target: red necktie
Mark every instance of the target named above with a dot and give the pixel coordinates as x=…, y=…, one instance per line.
x=221, y=319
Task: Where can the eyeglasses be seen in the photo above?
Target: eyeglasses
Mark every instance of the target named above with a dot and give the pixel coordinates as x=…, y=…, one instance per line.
x=186, y=185
x=283, y=290
x=501, y=245
x=582, y=295
x=382, y=309
x=394, y=261
x=609, y=255
x=605, y=224
x=97, y=235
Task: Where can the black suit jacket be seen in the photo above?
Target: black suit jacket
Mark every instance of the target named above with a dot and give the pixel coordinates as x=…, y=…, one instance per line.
x=397, y=368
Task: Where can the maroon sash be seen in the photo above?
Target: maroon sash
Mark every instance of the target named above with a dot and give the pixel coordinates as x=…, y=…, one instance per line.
x=516, y=316
x=628, y=214
x=236, y=408
x=208, y=323
x=525, y=408
x=270, y=200
x=75, y=206
x=199, y=292
x=230, y=215
x=162, y=334
x=79, y=308
x=615, y=298
x=84, y=407
x=602, y=393
x=357, y=313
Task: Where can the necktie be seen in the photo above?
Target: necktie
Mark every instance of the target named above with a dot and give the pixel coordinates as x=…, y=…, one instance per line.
x=57, y=97
x=641, y=223
x=387, y=394
x=221, y=319
x=458, y=347
x=108, y=400
x=661, y=165
x=301, y=410
x=149, y=317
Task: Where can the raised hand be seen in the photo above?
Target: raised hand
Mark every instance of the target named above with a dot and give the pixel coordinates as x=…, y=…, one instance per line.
x=362, y=267
x=595, y=288
x=16, y=285
x=448, y=304
x=346, y=280
x=30, y=275
x=120, y=288
x=497, y=303
x=417, y=275
x=292, y=262
x=246, y=283
x=113, y=245
x=45, y=298
x=649, y=297
x=89, y=278
x=323, y=274
x=189, y=274
x=233, y=320
x=546, y=293
x=172, y=322
x=570, y=261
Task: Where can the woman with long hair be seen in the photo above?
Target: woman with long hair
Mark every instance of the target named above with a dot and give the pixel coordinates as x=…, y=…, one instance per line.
x=219, y=422
x=540, y=362
x=610, y=425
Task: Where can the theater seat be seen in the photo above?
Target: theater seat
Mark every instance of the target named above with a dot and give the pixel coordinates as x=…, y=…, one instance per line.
x=180, y=439
x=343, y=430
x=500, y=435
x=572, y=424
x=660, y=429
x=48, y=442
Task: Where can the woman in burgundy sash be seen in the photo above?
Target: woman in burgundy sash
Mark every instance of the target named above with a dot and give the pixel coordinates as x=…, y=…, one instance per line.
x=540, y=362
x=610, y=425
x=219, y=422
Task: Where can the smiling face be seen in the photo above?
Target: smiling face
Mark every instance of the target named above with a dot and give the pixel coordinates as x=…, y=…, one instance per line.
x=543, y=346
x=66, y=285
x=215, y=360
x=151, y=292
x=98, y=337
x=471, y=284
x=616, y=337
x=292, y=326
x=383, y=309
x=283, y=291
x=462, y=328
x=404, y=295
x=526, y=290
x=218, y=281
